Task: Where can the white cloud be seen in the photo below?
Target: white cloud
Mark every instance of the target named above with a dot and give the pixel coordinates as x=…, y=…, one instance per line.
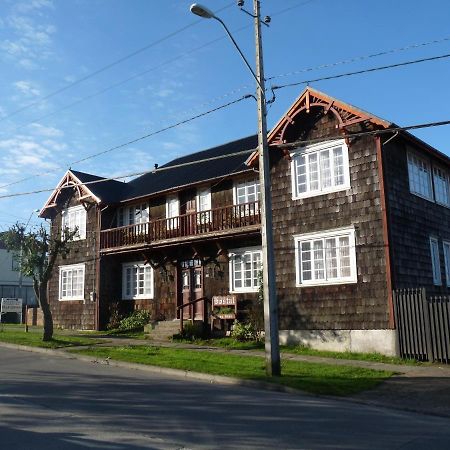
x=30, y=39
x=27, y=87
x=42, y=130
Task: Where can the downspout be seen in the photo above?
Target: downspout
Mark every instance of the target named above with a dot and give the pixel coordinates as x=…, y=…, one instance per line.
x=385, y=226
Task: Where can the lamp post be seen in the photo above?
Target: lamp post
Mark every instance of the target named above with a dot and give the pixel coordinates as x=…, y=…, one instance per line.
x=270, y=302
x=20, y=271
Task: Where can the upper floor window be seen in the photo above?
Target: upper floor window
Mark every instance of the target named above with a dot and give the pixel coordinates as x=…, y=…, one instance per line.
x=326, y=257
x=435, y=261
x=74, y=218
x=172, y=211
x=134, y=214
x=71, y=282
x=245, y=263
x=246, y=192
x=441, y=186
x=137, y=281
x=419, y=171
x=320, y=168
x=203, y=201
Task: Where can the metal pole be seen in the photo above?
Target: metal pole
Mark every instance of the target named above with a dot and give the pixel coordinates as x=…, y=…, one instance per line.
x=272, y=349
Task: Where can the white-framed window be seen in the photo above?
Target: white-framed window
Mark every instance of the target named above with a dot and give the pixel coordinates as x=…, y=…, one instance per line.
x=172, y=211
x=326, y=257
x=203, y=201
x=319, y=169
x=137, y=281
x=75, y=218
x=441, y=186
x=71, y=282
x=245, y=263
x=419, y=171
x=435, y=261
x=246, y=192
x=133, y=214
x=446, y=245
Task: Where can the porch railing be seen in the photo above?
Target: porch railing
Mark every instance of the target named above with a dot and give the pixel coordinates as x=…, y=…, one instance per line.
x=197, y=223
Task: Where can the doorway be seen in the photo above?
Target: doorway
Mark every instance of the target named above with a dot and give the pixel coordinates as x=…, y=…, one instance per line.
x=191, y=285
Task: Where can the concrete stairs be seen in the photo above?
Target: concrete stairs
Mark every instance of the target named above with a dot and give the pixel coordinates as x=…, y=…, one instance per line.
x=162, y=331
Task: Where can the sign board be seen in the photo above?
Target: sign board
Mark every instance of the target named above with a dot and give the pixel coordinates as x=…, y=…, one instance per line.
x=11, y=305
x=218, y=300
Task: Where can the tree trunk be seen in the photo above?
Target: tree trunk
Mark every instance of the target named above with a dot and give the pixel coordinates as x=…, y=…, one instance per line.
x=46, y=312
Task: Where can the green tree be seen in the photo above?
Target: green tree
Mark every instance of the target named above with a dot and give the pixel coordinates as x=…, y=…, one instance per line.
x=36, y=253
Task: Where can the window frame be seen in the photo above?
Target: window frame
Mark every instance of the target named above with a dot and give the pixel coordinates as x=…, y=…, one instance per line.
x=71, y=267
x=446, y=244
x=206, y=217
x=409, y=161
x=317, y=149
x=434, y=168
x=123, y=214
x=241, y=252
x=138, y=265
x=175, y=222
x=323, y=235
x=65, y=215
x=435, y=261
x=246, y=182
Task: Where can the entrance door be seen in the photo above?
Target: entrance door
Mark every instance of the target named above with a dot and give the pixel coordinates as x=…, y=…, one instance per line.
x=192, y=288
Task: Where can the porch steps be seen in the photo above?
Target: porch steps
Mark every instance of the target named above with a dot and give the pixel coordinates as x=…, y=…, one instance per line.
x=162, y=331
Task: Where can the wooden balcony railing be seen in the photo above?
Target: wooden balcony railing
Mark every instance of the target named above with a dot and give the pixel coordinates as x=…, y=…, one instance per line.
x=193, y=224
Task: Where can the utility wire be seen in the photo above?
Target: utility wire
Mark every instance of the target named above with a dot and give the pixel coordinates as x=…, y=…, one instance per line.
x=94, y=155
x=361, y=58
x=105, y=68
x=187, y=53
x=359, y=72
x=242, y=152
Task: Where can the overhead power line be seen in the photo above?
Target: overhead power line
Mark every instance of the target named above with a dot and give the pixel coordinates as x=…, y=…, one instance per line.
x=361, y=58
x=359, y=72
x=242, y=152
x=105, y=68
x=133, y=141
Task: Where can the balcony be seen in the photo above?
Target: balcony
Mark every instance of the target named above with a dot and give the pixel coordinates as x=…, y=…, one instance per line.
x=216, y=222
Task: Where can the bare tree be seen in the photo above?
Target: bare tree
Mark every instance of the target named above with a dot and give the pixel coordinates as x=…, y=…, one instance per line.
x=36, y=252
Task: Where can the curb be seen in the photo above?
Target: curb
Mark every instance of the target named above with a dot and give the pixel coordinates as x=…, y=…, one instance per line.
x=178, y=373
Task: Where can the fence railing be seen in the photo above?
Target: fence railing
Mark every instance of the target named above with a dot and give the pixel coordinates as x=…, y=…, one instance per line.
x=197, y=223
x=423, y=325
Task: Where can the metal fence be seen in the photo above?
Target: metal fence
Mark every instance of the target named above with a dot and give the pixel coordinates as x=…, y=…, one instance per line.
x=423, y=325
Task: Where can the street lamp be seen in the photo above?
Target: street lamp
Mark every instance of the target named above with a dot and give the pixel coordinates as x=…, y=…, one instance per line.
x=270, y=302
x=20, y=271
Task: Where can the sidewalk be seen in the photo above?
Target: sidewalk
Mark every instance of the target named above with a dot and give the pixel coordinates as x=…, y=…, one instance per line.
x=424, y=389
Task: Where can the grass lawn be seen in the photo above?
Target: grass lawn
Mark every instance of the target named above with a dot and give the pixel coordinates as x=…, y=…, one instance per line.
x=310, y=377
x=232, y=344
x=16, y=335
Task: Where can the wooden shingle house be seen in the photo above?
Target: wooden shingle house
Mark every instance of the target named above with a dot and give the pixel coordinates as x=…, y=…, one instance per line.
x=358, y=211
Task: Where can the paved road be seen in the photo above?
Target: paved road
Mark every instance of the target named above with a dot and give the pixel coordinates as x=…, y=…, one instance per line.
x=53, y=403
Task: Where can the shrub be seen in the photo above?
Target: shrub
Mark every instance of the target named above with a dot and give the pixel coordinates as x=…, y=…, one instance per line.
x=115, y=316
x=245, y=332
x=135, y=321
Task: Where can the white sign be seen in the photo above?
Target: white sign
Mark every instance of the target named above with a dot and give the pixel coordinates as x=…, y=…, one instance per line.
x=13, y=305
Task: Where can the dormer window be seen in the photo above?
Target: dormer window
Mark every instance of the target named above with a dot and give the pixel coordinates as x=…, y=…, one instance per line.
x=74, y=218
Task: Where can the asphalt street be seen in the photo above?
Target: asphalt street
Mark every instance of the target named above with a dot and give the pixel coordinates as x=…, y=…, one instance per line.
x=50, y=402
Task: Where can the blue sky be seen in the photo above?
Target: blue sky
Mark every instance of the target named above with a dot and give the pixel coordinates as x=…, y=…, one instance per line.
x=187, y=66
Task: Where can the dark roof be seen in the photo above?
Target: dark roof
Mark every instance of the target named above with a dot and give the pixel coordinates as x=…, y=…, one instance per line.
x=164, y=180
x=107, y=191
